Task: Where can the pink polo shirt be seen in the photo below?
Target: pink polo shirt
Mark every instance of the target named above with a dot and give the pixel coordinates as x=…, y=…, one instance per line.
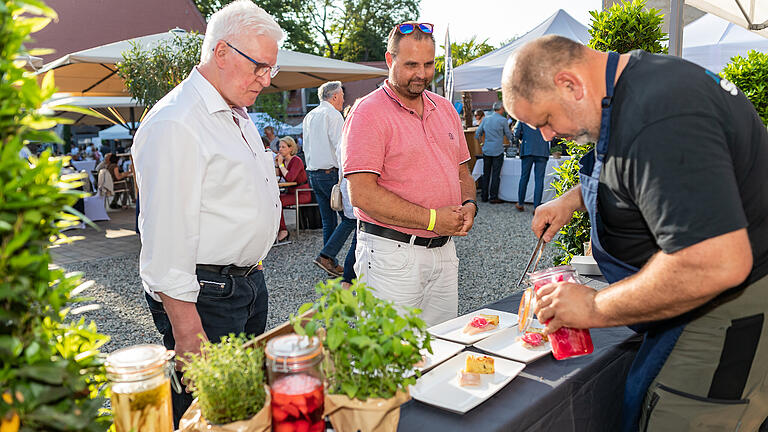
x=416, y=158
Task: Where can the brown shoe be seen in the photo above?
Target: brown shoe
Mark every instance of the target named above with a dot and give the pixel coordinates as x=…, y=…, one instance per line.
x=329, y=266
x=496, y=201
x=519, y=207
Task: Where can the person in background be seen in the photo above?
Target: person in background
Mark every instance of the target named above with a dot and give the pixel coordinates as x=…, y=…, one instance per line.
x=291, y=169
x=493, y=129
x=210, y=205
x=479, y=116
x=114, y=170
x=322, y=130
x=405, y=157
x=274, y=141
x=534, y=153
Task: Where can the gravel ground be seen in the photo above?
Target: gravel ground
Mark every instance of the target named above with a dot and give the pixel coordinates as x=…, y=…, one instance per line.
x=491, y=259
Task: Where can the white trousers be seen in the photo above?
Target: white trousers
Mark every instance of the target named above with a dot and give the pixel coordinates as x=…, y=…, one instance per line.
x=410, y=275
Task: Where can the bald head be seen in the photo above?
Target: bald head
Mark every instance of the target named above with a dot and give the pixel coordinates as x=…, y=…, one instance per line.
x=532, y=68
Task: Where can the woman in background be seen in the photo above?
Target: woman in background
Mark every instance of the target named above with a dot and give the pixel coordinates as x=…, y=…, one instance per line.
x=291, y=168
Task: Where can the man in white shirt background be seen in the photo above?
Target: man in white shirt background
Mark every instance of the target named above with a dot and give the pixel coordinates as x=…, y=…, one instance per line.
x=210, y=204
x=322, y=134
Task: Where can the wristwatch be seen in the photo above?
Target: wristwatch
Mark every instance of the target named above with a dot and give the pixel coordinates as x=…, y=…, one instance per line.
x=473, y=202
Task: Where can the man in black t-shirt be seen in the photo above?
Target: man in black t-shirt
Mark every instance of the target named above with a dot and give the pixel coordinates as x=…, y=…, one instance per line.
x=681, y=212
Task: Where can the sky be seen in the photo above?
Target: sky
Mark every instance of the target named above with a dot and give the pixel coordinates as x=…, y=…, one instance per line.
x=497, y=20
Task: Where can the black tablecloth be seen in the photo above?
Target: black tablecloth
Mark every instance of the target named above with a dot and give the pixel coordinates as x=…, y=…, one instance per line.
x=580, y=394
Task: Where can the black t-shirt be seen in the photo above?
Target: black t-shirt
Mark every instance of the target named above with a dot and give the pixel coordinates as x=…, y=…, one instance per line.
x=687, y=161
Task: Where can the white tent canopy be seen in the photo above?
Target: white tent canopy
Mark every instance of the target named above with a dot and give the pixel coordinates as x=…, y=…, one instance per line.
x=750, y=14
x=92, y=72
x=484, y=73
x=711, y=41
x=116, y=132
x=262, y=120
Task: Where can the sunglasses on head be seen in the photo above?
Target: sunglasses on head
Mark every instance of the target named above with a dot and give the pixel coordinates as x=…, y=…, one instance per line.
x=408, y=28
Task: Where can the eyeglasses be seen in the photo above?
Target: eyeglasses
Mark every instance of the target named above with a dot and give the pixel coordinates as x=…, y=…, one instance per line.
x=261, y=68
x=408, y=28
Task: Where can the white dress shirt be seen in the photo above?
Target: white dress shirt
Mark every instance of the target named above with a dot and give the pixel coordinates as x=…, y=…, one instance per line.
x=322, y=134
x=206, y=195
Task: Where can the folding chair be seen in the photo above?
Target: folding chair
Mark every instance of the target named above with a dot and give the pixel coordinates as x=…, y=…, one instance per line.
x=297, y=206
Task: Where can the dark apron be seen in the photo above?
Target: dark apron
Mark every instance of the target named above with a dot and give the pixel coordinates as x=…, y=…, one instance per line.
x=660, y=337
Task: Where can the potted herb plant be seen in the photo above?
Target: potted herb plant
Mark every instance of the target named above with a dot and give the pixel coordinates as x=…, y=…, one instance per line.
x=371, y=348
x=227, y=379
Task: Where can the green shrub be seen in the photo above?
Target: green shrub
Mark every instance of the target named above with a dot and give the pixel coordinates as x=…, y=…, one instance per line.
x=750, y=74
x=371, y=346
x=227, y=379
x=151, y=74
x=622, y=28
x=51, y=374
x=627, y=26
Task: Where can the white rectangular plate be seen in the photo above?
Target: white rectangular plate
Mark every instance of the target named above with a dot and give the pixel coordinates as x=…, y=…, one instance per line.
x=505, y=344
x=442, y=350
x=440, y=386
x=452, y=329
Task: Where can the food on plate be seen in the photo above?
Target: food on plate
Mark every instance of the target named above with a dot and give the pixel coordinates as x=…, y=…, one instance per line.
x=531, y=340
x=480, y=364
x=468, y=378
x=481, y=323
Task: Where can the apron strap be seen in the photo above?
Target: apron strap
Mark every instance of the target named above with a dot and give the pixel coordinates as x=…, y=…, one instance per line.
x=605, y=119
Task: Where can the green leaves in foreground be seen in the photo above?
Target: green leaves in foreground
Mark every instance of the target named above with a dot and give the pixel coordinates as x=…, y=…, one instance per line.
x=227, y=379
x=371, y=344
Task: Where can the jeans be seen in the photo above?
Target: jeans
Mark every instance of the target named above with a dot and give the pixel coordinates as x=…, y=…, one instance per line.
x=349, y=262
x=491, y=176
x=334, y=235
x=226, y=304
x=538, y=178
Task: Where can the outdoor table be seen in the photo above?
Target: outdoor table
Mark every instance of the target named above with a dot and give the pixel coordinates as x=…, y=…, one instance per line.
x=510, y=178
x=286, y=184
x=579, y=394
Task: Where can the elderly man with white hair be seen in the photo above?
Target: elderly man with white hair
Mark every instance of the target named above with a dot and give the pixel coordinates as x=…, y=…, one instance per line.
x=210, y=205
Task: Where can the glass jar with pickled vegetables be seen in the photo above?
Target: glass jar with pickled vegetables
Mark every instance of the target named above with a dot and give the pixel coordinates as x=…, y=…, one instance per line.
x=566, y=342
x=140, y=377
x=296, y=383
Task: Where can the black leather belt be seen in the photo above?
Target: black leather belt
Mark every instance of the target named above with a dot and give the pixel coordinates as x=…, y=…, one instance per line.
x=327, y=171
x=230, y=270
x=380, y=231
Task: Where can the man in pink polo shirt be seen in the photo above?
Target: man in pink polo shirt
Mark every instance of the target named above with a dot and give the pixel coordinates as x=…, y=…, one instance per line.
x=404, y=156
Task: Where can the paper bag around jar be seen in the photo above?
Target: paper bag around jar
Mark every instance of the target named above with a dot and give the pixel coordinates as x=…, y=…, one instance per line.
x=372, y=415
x=193, y=420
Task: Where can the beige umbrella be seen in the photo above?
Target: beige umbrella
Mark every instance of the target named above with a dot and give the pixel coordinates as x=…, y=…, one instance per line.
x=103, y=110
x=92, y=72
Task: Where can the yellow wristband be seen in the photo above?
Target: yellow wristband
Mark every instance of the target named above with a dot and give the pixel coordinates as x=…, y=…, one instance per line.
x=432, y=218
x=282, y=165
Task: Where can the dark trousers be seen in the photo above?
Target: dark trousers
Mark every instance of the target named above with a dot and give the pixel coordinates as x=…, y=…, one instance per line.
x=237, y=306
x=491, y=176
x=539, y=170
x=349, y=262
x=334, y=234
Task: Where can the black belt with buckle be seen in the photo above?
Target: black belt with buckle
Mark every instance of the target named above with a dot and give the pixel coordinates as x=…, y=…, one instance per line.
x=389, y=233
x=228, y=270
x=327, y=171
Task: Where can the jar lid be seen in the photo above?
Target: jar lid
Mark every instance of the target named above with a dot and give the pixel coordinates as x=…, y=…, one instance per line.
x=137, y=361
x=551, y=271
x=293, y=348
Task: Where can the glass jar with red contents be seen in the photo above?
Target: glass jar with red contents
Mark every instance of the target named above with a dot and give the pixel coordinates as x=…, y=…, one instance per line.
x=566, y=342
x=296, y=383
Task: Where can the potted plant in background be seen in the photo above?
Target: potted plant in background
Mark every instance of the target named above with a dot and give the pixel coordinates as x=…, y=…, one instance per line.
x=227, y=378
x=750, y=74
x=556, y=151
x=371, y=348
